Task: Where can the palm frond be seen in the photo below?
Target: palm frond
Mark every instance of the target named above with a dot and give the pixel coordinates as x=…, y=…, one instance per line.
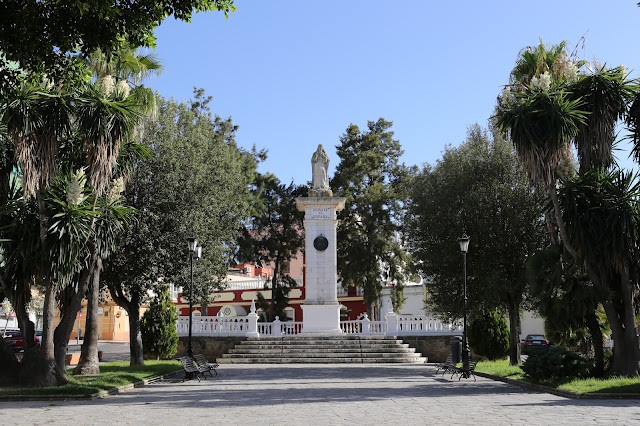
x=605, y=95
x=541, y=125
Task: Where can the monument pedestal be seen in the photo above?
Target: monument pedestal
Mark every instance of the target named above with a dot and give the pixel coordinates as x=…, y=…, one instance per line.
x=321, y=320
x=321, y=310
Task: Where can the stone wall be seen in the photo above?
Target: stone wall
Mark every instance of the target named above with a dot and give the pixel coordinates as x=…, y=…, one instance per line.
x=435, y=348
x=211, y=347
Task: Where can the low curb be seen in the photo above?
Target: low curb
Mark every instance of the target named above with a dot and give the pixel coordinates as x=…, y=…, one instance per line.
x=559, y=392
x=97, y=395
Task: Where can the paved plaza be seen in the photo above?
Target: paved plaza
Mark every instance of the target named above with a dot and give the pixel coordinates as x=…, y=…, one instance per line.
x=326, y=394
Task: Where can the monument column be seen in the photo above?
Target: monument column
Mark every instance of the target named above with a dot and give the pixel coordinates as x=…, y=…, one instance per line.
x=321, y=310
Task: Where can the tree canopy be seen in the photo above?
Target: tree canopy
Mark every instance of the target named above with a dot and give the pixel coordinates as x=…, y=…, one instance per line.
x=273, y=235
x=194, y=183
x=44, y=34
x=480, y=189
x=375, y=185
x=565, y=103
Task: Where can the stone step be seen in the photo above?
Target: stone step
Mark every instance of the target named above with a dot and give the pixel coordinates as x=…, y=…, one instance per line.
x=322, y=338
x=322, y=349
x=271, y=350
x=352, y=360
x=311, y=346
x=324, y=355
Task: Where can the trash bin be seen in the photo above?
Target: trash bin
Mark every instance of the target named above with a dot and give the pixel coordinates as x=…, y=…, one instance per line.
x=456, y=349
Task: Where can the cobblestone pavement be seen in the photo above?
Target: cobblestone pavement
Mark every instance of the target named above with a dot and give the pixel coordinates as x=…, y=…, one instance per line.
x=327, y=395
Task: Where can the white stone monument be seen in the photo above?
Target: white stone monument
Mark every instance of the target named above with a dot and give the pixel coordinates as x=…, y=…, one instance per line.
x=321, y=310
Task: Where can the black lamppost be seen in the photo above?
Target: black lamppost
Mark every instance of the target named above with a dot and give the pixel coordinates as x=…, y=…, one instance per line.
x=194, y=252
x=464, y=246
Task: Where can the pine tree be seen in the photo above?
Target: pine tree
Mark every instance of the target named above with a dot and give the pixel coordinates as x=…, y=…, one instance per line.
x=489, y=334
x=158, y=327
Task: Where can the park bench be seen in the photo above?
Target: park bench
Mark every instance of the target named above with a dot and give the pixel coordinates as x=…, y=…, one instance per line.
x=446, y=366
x=472, y=368
x=191, y=368
x=202, y=362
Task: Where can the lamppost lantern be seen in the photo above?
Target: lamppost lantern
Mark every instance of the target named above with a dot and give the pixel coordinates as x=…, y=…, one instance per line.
x=192, y=242
x=464, y=247
x=194, y=251
x=464, y=243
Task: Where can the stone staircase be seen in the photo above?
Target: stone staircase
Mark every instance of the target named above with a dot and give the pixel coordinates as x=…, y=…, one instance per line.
x=322, y=350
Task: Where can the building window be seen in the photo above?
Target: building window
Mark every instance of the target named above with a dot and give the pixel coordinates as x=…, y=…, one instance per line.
x=291, y=313
x=286, y=267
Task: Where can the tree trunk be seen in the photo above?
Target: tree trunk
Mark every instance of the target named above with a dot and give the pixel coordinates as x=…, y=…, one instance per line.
x=47, y=353
x=626, y=351
x=72, y=303
x=89, y=363
x=48, y=327
x=135, y=337
x=9, y=365
x=514, y=333
x=132, y=307
x=596, y=339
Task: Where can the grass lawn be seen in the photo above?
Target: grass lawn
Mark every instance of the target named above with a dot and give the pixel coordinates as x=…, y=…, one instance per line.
x=112, y=374
x=612, y=385
x=500, y=368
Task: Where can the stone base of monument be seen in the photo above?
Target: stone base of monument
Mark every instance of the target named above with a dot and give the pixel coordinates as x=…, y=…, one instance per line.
x=321, y=320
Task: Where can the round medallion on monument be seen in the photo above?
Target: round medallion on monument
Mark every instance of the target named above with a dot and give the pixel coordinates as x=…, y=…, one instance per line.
x=321, y=243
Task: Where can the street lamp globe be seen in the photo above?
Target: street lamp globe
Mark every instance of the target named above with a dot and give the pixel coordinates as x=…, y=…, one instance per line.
x=464, y=243
x=193, y=242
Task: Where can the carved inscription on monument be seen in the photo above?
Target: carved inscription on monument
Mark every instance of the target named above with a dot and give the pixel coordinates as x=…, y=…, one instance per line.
x=320, y=213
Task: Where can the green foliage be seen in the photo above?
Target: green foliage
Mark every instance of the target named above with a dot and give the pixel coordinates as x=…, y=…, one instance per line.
x=51, y=31
x=194, y=183
x=375, y=185
x=158, y=327
x=595, y=215
x=556, y=363
x=567, y=300
x=478, y=188
x=272, y=236
x=489, y=335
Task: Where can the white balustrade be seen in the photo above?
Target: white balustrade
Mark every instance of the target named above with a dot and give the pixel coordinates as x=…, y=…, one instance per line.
x=393, y=325
x=254, y=284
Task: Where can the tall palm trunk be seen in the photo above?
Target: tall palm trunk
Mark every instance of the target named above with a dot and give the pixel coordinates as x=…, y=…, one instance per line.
x=626, y=354
x=89, y=362
x=72, y=303
x=596, y=338
x=48, y=313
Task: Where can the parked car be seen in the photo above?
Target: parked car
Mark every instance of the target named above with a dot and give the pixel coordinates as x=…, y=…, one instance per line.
x=14, y=339
x=534, y=342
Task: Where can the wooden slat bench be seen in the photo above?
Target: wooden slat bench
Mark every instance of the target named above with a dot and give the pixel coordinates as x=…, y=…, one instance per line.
x=192, y=368
x=202, y=362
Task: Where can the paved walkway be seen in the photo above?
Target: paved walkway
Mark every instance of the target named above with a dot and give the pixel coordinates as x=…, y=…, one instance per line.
x=327, y=395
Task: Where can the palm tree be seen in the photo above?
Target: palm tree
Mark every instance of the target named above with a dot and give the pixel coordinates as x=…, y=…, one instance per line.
x=601, y=211
x=551, y=111
x=566, y=298
x=107, y=118
x=37, y=118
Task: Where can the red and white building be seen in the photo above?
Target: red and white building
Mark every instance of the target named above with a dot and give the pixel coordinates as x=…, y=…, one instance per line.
x=245, y=281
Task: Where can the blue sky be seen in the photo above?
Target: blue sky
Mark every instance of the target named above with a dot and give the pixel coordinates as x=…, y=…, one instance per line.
x=293, y=74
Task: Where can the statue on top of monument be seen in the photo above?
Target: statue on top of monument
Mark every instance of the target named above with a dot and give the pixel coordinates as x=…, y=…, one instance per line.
x=319, y=174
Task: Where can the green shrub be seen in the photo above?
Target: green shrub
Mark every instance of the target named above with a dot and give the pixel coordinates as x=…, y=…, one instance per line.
x=489, y=335
x=556, y=363
x=158, y=327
